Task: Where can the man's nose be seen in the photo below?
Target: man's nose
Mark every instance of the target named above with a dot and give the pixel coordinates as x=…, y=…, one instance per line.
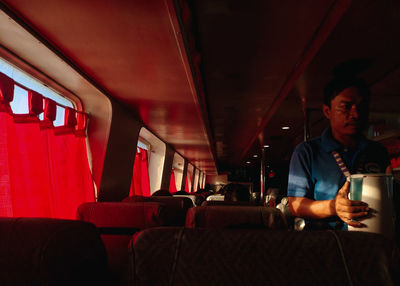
x=354, y=113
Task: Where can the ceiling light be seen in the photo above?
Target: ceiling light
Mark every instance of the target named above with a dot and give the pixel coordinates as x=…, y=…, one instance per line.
x=266, y=146
x=248, y=162
x=285, y=128
x=255, y=156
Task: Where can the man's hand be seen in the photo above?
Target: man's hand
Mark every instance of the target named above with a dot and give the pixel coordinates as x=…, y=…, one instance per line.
x=348, y=210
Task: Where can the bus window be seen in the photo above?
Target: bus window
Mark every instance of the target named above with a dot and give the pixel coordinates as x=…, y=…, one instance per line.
x=140, y=185
x=203, y=180
x=19, y=104
x=189, y=178
x=196, y=180
x=45, y=173
x=177, y=168
x=172, y=184
x=31, y=83
x=156, y=156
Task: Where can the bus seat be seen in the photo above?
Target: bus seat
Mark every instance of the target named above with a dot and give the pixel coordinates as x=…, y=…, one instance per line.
x=161, y=192
x=216, y=197
x=117, y=222
x=228, y=203
x=235, y=216
x=201, y=196
x=200, y=257
x=44, y=251
x=192, y=197
x=176, y=207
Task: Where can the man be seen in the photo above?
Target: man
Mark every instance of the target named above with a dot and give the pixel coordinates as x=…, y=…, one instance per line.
x=317, y=187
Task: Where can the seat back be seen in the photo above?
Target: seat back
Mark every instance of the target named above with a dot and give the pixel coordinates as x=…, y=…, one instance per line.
x=235, y=216
x=176, y=207
x=192, y=197
x=261, y=257
x=217, y=197
x=117, y=222
x=228, y=203
x=161, y=192
x=201, y=196
x=40, y=251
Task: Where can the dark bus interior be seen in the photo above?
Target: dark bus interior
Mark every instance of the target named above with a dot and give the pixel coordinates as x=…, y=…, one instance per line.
x=230, y=87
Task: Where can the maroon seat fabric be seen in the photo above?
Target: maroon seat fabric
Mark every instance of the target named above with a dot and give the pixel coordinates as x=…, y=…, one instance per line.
x=161, y=193
x=39, y=251
x=227, y=203
x=117, y=221
x=176, y=207
x=192, y=197
x=201, y=197
x=178, y=256
x=123, y=215
x=235, y=216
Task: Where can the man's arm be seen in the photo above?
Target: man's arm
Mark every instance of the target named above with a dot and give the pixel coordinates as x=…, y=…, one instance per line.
x=341, y=206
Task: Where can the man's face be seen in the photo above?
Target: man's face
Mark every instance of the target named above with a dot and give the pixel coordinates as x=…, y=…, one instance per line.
x=348, y=112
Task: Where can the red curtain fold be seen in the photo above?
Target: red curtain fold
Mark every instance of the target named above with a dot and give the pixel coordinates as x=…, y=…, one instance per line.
x=50, y=110
x=41, y=174
x=172, y=184
x=49, y=114
x=35, y=102
x=80, y=128
x=140, y=185
x=29, y=171
x=6, y=92
x=188, y=181
x=70, y=172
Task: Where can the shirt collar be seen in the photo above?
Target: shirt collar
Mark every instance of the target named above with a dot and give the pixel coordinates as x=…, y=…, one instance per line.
x=329, y=143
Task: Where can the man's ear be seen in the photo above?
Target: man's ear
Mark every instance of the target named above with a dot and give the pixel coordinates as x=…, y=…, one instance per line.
x=327, y=111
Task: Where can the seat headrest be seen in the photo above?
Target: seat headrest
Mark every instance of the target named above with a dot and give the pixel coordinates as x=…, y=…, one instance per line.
x=181, y=202
x=161, y=193
x=120, y=214
x=191, y=197
x=199, y=257
x=235, y=216
x=227, y=203
x=176, y=208
x=41, y=251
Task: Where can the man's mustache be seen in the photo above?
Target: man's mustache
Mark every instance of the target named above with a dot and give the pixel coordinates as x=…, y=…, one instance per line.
x=353, y=122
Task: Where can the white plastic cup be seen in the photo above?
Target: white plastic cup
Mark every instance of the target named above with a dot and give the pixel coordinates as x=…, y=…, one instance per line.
x=377, y=191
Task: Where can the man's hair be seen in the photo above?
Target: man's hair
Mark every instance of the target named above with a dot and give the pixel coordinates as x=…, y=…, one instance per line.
x=337, y=85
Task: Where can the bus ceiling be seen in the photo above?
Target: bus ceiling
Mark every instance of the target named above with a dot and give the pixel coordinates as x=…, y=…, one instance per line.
x=217, y=80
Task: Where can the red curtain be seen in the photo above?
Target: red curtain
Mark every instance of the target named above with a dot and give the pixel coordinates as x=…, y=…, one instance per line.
x=188, y=181
x=140, y=184
x=44, y=170
x=172, y=183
